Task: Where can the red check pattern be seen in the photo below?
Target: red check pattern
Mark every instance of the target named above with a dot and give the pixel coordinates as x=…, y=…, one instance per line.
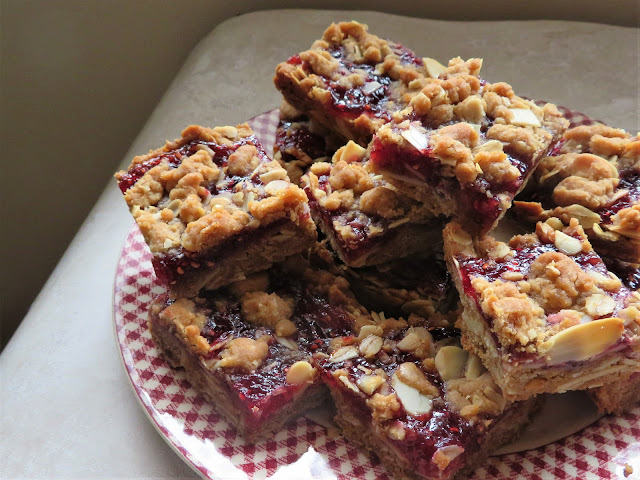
x=304, y=449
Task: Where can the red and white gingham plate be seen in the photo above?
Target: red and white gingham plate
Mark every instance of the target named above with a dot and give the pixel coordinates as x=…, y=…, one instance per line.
x=305, y=449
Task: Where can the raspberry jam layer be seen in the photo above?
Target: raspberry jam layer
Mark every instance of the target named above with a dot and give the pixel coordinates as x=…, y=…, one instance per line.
x=423, y=434
x=265, y=392
x=372, y=98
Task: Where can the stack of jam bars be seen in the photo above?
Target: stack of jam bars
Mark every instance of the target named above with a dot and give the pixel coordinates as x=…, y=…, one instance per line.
x=433, y=339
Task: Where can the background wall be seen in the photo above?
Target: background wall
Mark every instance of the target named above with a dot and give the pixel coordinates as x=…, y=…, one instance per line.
x=78, y=78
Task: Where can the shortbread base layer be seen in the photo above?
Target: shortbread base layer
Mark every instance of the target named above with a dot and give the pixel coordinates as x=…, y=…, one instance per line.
x=361, y=432
x=618, y=397
x=520, y=381
x=217, y=391
x=246, y=256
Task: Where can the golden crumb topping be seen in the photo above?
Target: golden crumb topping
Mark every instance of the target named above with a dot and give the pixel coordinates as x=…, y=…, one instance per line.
x=245, y=353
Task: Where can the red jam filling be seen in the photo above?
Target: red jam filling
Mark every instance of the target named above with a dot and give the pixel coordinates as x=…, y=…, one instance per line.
x=355, y=101
x=424, y=434
x=492, y=269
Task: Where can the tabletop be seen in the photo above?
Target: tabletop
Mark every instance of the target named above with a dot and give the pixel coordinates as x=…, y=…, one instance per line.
x=68, y=410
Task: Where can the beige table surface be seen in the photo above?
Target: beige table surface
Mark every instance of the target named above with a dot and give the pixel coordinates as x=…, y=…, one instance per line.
x=67, y=407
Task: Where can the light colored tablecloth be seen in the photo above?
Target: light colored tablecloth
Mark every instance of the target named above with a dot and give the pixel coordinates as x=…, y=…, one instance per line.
x=66, y=405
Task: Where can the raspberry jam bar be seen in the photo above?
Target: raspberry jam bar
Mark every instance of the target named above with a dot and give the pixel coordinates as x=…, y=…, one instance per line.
x=594, y=176
x=465, y=147
x=542, y=311
x=351, y=81
x=300, y=142
x=414, y=398
x=213, y=207
x=248, y=346
x=366, y=220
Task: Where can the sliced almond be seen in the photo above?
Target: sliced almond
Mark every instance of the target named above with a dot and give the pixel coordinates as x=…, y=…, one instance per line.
x=584, y=340
x=272, y=188
x=489, y=146
x=500, y=250
x=414, y=402
x=450, y=362
x=300, y=373
x=369, y=383
x=275, y=174
x=348, y=383
x=523, y=117
x=351, y=152
x=567, y=244
x=555, y=223
x=585, y=216
x=599, y=305
x=410, y=374
x=434, y=68
x=371, y=87
x=367, y=330
x=416, y=138
x=474, y=367
x=370, y=346
x=343, y=354
x=445, y=455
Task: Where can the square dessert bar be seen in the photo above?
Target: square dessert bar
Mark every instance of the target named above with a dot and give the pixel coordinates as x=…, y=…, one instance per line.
x=300, y=142
x=366, y=220
x=465, y=147
x=247, y=346
x=351, y=81
x=542, y=311
x=411, y=396
x=213, y=207
x=593, y=175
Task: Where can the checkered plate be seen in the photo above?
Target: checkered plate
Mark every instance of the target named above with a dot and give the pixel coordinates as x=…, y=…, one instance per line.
x=305, y=449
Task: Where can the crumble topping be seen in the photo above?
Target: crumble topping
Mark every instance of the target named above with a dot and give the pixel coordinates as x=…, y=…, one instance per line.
x=269, y=310
x=475, y=397
x=594, y=177
x=188, y=323
x=245, y=353
x=206, y=187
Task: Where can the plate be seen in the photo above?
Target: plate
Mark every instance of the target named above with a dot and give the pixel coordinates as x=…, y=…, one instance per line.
x=556, y=444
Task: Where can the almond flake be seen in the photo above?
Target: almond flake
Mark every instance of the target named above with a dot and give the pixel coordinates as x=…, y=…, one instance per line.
x=523, y=117
x=416, y=138
x=567, y=244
